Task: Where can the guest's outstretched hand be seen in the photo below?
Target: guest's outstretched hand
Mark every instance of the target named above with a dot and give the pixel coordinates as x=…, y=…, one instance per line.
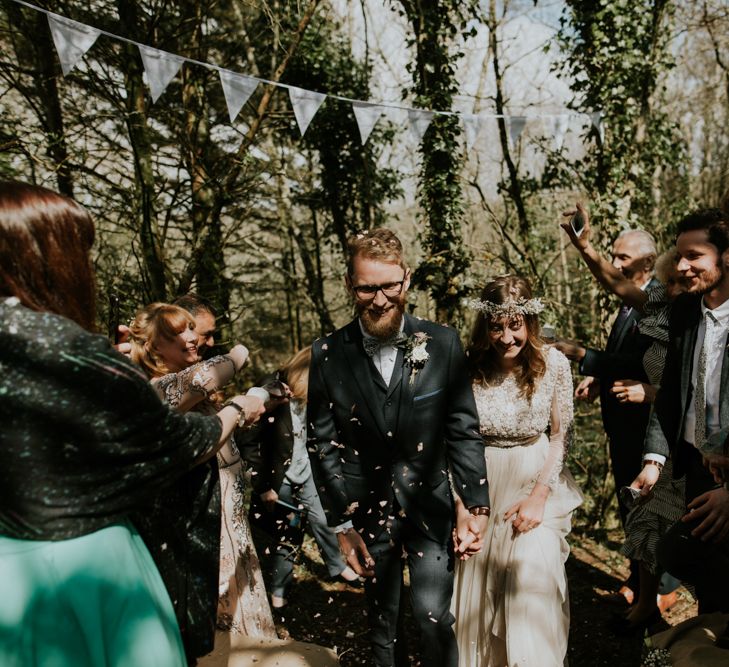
x=633, y=391
x=581, y=241
x=712, y=509
x=588, y=389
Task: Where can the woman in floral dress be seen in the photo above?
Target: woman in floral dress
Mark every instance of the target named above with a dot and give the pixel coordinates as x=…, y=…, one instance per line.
x=214, y=563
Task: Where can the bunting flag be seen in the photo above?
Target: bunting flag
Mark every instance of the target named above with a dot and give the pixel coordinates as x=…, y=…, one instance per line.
x=306, y=103
x=419, y=122
x=72, y=40
x=557, y=127
x=596, y=119
x=161, y=67
x=367, y=116
x=472, y=127
x=516, y=127
x=237, y=90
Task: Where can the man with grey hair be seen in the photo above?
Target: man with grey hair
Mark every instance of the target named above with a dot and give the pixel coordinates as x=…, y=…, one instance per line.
x=634, y=255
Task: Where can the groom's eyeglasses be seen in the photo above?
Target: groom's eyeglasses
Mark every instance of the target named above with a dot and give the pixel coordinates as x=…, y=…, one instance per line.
x=369, y=292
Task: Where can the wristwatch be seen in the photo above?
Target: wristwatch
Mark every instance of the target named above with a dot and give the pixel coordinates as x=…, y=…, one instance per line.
x=241, y=412
x=480, y=510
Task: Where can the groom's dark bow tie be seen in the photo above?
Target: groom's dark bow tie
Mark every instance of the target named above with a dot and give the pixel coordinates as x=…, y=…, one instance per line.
x=373, y=345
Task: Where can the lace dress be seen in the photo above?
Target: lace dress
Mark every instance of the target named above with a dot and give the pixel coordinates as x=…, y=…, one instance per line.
x=242, y=602
x=510, y=601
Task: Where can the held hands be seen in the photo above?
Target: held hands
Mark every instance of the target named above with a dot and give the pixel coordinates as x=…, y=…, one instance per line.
x=528, y=513
x=581, y=242
x=713, y=508
x=468, y=533
x=355, y=553
x=588, y=390
x=632, y=391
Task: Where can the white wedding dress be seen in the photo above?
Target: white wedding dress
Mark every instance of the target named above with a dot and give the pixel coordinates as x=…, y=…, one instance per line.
x=510, y=601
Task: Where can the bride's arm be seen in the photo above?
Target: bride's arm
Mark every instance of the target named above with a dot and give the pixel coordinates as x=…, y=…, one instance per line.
x=187, y=388
x=561, y=418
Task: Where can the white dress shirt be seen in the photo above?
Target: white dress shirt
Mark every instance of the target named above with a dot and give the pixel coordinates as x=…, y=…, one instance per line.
x=384, y=359
x=714, y=357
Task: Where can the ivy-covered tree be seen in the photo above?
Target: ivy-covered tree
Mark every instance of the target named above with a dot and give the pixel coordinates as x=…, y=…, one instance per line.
x=437, y=26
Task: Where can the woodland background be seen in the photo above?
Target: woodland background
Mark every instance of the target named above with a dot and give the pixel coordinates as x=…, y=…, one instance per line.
x=254, y=217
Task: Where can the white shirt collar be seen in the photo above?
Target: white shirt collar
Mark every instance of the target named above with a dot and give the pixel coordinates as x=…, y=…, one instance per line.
x=720, y=313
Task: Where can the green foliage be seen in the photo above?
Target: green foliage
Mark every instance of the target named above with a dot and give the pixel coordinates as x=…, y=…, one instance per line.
x=437, y=29
x=617, y=57
x=351, y=187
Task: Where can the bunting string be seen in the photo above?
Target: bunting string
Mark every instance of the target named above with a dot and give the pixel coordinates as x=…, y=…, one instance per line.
x=73, y=40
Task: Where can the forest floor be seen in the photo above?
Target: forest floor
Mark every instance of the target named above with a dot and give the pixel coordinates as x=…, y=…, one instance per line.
x=334, y=614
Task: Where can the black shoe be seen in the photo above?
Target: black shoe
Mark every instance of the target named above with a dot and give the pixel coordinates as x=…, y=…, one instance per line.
x=623, y=627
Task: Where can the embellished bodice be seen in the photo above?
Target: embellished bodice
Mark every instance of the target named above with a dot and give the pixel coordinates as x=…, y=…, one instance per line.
x=192, y=389
x=508, y=418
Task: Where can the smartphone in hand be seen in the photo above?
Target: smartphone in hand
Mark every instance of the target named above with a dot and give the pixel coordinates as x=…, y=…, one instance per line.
x=577, y=222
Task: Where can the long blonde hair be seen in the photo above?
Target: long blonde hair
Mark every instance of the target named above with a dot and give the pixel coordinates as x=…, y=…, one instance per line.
x=151, y=324
x=483, y=361
x=295, y=373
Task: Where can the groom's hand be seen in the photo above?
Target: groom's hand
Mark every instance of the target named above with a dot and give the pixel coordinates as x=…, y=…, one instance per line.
x=468, y=534
x=355, y=553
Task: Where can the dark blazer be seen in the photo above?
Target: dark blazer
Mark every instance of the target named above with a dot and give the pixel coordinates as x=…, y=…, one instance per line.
x=268, y=452
x=372, y=445
x=666, y=426
x=621, y=359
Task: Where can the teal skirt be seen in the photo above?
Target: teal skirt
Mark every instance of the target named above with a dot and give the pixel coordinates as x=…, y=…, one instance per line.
x=95, y=601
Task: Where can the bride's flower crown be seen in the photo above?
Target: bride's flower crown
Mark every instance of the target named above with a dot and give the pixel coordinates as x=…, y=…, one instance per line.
x=509, y=308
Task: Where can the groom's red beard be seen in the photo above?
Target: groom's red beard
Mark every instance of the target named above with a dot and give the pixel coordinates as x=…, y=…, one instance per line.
x=382, y=322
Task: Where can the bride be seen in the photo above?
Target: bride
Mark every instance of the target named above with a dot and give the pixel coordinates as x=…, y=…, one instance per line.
x=510, y=600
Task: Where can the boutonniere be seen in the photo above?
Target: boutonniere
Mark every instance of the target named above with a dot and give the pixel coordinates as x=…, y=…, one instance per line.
x=415, y=353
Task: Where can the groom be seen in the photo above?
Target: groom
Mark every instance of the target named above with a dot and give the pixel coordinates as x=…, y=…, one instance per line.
x=391, y=413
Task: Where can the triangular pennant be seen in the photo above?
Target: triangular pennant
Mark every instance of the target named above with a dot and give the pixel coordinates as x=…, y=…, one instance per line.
x=306, y=103
x=558, y=130
x=161, y=67
x=472, y=127
x=596, y=119
x=72, y=40
x=367, y=116
x=237, y=90
x=516, y=127
x=419, y=122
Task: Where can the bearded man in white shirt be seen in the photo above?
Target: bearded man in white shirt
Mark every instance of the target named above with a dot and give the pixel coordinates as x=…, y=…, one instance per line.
x=692, y=405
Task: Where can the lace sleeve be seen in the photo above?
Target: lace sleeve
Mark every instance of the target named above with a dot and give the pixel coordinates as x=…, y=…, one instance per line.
x=561, y=418
x=187, y=388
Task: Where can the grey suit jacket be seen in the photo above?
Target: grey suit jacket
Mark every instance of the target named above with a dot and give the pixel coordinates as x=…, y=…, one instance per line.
x=372, y=446
x=666, y=425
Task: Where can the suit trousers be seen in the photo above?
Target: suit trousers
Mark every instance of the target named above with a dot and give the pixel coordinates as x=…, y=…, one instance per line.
x=703, y=564
x=282, y=563
x=430, y=565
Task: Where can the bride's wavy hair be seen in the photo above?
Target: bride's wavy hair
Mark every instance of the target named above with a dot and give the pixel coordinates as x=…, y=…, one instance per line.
x=483, y=359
